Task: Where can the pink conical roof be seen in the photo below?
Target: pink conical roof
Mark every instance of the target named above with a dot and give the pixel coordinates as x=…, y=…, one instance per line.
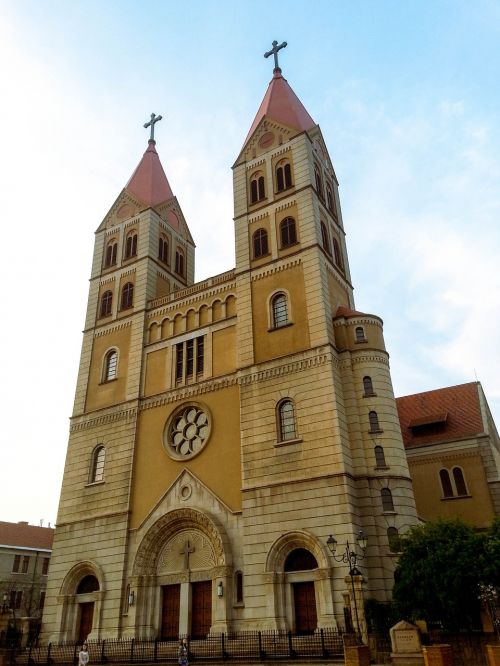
x=149, y=182
x=281, y=104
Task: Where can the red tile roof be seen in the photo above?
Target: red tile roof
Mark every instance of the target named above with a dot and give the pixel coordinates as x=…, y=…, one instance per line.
x=28, y=536
x=343, y=311
x=441, y=415
x=149, y=182
x=280, y=103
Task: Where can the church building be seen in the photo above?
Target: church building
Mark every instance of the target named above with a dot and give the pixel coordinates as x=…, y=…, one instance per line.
x=223, y=430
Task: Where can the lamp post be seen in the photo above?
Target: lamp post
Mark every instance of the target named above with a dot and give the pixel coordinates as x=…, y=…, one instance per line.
x=350, y=557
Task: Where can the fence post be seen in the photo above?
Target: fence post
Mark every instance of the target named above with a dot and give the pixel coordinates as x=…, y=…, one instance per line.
x=155, y=653
x=132, y=651
x=291, y=651
x=74, y=654
x=323, y=649
x=48, y=652
x=103, y=658
x=261, y=651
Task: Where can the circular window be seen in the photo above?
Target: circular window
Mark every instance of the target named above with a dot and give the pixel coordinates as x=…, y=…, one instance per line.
x=187, y=431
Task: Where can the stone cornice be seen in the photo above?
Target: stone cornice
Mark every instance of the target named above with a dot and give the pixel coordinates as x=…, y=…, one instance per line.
x=257, y=162
x=188, y=392
x=111, y=328
x=370, y=319
x=258, y=274
x=440, y=456
x=247, y=487
x=94, y=419
x=97, y=516
x=278, y=152
x=286, y=204
x=319, y=356
x=258, y=217
x=365, y=356
x=181, y=296
x=178, y=306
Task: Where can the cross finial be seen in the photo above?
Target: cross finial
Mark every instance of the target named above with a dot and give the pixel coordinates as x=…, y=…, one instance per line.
x=151, y=123
x=274, y=52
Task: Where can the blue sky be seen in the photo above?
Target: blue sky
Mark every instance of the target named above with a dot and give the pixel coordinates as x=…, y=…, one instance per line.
x=406, y=94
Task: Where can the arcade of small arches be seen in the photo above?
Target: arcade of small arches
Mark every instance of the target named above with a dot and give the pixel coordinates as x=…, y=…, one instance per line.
x=183, y=581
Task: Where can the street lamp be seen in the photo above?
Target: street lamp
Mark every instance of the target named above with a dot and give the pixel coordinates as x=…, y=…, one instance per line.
x=350, y=557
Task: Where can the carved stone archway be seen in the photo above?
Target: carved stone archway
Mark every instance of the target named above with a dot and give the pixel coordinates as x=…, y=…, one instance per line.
x=70, y=603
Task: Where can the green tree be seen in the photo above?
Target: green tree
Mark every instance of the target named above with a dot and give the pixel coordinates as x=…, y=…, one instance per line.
x=441, y=567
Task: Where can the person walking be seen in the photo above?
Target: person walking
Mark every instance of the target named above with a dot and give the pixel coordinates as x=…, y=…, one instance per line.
x=83, y=656
x=183, y=653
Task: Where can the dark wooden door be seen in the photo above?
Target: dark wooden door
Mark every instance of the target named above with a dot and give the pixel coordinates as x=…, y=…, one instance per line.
x=86, y=617
x=201, y=608
x=304, y=599
x=171, y=598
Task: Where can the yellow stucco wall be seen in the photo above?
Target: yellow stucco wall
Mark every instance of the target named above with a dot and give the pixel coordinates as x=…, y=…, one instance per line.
x=224, y=351
x=102, y=394
x=155, y=471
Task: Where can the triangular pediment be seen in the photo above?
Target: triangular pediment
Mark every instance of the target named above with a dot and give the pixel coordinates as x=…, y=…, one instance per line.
x=171, y=213
x=124, y=207
x=268, y=134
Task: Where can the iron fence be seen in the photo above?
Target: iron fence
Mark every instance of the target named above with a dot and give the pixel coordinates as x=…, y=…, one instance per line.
x=324, y=644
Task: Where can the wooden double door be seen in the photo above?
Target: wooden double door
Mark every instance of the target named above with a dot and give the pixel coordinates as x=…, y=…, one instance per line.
x=304, y=600
x=201, y=610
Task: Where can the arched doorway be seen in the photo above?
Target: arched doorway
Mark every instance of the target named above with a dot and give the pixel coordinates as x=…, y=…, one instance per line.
x=86, y=586
x=303, y=593
x=81, y=594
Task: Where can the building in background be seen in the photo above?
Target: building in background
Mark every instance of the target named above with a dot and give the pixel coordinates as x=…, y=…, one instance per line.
x=453, y=452
x=222, y=430
x=25, y=552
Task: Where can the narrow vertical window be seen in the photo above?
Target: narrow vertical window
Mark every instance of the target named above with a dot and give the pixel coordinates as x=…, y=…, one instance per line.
x=329, y=199
x=280, y=179
x=261, y=188
x=41, y=602
x=337, y=254
x=374, y=424
x=16, y=564
x=368, y=387
x=179, y=261
x=458, y=477
x=260, y=246
x=163, y=250
x=286, y=421
x=97, y=464
x=288, y=232
x=110, y=257
x=387, y=503
x=359, y=334
x=319, y=181
x=324, y=238
x=26, y=563
x=45, y=566
x=131, y=245
x=288, y=175
x=239, y=587
x=254, y=196
x=110, y=365
x=106, y=304
x=189, y=358
x=379, y=457
x=200, y=355
x=179, y=361
x=127, y=296
x=392, y=538
x=257, y=187
x=279, y=311
x=444, y=477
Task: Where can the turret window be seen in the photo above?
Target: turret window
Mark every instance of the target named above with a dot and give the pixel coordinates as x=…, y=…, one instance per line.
x=110, y=365
x=260, y=244
x=368, y=387
x=279, y=307
x=97, y=464
x=111, y=250
x=374, y=424
x=257, y=187
x=393, y=539
x=387, y=501
x=283, y=175
x=325, y=239
x=179, y=262
x=131, y=245
x=127, y=296
x=359, y=334
x=286, y=421
x=163, y=249
x=106, y=304
x=319, y=181
x=379, y=457
x=288, y=232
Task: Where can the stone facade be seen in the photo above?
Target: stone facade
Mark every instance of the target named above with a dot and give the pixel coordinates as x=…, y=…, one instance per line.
x=223, y=430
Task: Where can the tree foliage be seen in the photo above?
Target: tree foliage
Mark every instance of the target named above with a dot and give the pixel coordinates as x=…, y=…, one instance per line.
x=440, y=570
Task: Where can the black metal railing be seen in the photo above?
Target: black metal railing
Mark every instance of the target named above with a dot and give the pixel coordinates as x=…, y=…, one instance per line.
x=241, y=646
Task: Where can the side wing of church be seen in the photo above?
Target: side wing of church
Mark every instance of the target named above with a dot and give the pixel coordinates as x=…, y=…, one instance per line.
x=223, y=430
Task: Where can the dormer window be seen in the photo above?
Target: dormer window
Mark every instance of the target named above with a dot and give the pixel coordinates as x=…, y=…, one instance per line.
x=257, y=187
x=283, y=175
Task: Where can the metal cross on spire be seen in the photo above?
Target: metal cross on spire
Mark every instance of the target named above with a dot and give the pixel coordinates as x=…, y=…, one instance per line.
x=274, y=52
x=151, y=123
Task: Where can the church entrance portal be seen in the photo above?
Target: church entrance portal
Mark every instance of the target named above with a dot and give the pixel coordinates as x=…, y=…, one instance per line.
x=85, y=622
x=201, y=608
x=304, y=599
x=171, y=596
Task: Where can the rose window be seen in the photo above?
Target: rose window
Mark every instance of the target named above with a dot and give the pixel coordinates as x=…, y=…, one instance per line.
x=187, y=432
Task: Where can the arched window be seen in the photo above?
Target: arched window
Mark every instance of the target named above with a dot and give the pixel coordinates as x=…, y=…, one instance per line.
x=374, y=424
x=127, y=296
x=337, y=254
x=179, y=261
x=106, y=304
x=97, y=464
x=283, y=176
x=368, y=387
x=330, y=201
x=288, y=232
x=319, y=181
x=325, y=239
x=163, y=249
x=110, y=258
x=387, y=503
x=286, y=421
x=458, y=477
x=300, y=559
x=359, y=334
x=131, y=245
x=260, y=246
x=379, y=457
x=238, y=585
x=444, y=477
x=257, y=187
x=279, y=311
x=110, y=365
x=393, y=539
x=87, y=584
